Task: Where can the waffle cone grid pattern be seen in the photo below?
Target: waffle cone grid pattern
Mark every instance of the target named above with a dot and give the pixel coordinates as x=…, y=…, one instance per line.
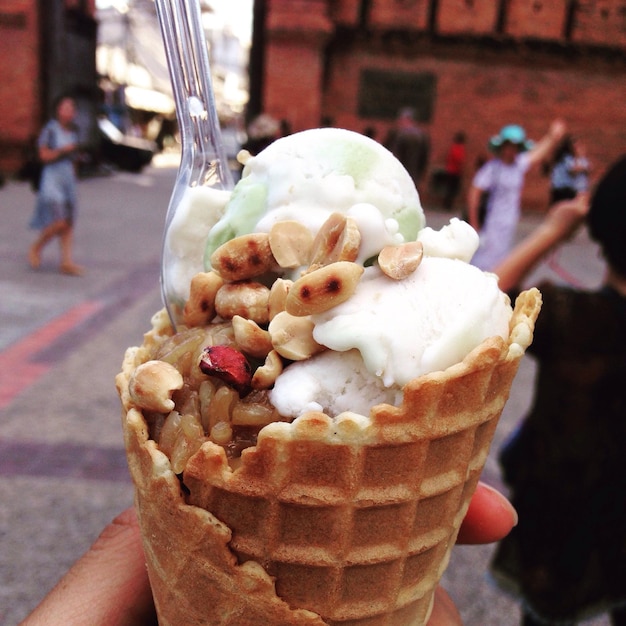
x=357, y=529
x=366, y=530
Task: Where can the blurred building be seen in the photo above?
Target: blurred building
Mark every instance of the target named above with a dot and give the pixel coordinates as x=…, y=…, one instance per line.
x=133, y=74
x=130, y=60
x=111, y=59
x=470, y=65
x=47, y=48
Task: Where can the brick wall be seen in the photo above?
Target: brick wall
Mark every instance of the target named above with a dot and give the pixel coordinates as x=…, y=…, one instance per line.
x=296, y=35
x=34, y=69
x=487, y=67
x=600, y=22
x=461, y=17
x=19, y=87
x=408, y=14
x=545, y=19
x=478, y=92
x=345, y=12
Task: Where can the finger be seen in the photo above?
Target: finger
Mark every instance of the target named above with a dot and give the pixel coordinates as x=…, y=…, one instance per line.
x=444, y=612
x=489, y=518
x=107, y=586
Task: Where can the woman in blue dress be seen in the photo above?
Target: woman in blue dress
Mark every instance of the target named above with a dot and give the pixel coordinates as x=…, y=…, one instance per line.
x=56, y=201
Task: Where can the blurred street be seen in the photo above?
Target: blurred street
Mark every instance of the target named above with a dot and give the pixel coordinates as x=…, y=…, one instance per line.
x=62, y=468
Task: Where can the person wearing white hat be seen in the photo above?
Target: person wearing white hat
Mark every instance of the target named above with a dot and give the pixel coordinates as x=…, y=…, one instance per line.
x=497, y=186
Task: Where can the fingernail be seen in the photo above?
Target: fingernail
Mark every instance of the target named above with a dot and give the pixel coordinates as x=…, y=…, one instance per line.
x=504, y=502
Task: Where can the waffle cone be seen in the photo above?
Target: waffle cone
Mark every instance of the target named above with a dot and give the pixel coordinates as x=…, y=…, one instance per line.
x=326, y=521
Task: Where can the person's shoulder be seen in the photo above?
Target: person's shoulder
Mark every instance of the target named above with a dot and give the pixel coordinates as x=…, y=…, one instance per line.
x=46, y=131
x=52, y=123
x=566, y=302
x=551, y=290
x=483, y=173
x=490, y=167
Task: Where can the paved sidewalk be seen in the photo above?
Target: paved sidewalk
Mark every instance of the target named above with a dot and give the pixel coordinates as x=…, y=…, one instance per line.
x=62, y=468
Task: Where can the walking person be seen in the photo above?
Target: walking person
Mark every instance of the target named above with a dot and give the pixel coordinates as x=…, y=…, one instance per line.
x=455, y=162
x=565, y=464
x=55, y=209
x=410, y=144
x=499, y=183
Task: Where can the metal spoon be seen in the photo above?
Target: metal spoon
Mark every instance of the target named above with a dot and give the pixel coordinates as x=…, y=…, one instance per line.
x=203, y=160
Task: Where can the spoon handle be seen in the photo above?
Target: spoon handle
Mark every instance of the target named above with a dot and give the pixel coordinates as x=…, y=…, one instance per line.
x=203, y=160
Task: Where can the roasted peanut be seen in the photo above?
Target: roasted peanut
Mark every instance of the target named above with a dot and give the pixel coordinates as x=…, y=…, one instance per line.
x=265, y=375
x=247, y=299
x=401, y=261
x=243, y=257
x=278, y=294
x=323, y=289
x=338, y=239
x=251, y=338
x=290, y=243
x=292, y=337
x=200, y=308
x=152, y=385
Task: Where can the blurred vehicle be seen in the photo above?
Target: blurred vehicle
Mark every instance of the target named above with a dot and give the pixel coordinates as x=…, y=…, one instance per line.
x=124, y=151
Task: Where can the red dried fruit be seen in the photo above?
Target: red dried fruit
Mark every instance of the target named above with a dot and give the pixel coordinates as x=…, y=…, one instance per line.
x=229, y=365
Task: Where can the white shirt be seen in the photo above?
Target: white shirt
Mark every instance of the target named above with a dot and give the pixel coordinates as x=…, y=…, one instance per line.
x=504, y=182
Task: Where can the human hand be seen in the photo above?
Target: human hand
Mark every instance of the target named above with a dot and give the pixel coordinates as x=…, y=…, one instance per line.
x=490, y=517
x=565, y=218
x=109, y=585
x=557, y=130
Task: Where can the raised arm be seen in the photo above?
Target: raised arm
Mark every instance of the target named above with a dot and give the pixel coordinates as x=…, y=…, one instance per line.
x=545, y=146
x=560, y=223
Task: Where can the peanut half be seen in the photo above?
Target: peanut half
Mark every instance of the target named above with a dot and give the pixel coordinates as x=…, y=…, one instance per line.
x=265, y=375
x=290, y=243
x=152, y=385
x=292, y=337
x=401, y=261
x=323, y=288
x=251, y=338
x=200, y=308
x=278, y=295
x=338, y=239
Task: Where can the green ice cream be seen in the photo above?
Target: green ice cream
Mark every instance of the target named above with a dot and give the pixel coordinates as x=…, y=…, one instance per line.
x=309, y=175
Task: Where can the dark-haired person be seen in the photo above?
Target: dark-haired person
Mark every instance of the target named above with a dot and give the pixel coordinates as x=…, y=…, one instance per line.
x=566, y=463
x=56, y=200
x=570, y=170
